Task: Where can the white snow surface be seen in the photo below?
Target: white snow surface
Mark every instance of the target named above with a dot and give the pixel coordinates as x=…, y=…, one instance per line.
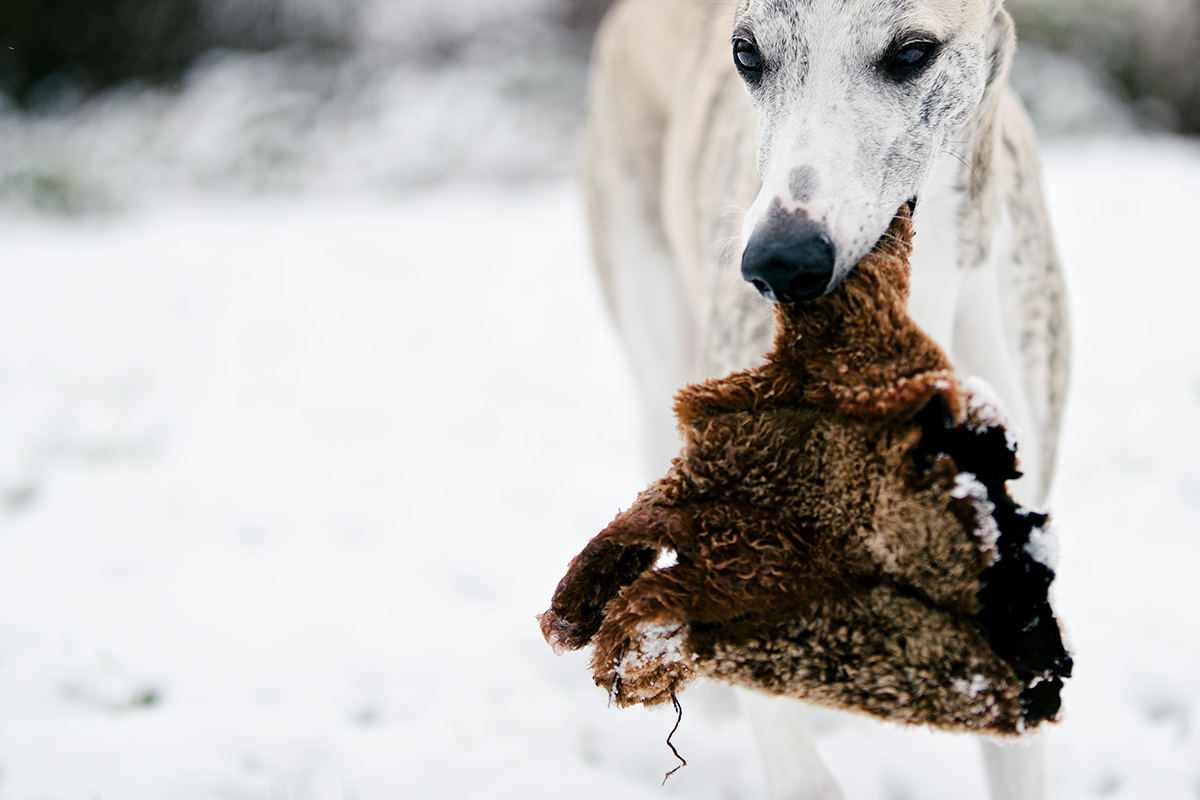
x=283, y=484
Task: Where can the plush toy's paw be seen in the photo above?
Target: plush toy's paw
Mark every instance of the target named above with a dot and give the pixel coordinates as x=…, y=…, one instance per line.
x=653, y=662
x=612, y=561
x=614, y=599
x=560, y=634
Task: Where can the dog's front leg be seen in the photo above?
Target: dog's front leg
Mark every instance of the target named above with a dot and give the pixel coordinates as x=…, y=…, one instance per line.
x=984, y=344
x=1016, y=770
x=791, y=765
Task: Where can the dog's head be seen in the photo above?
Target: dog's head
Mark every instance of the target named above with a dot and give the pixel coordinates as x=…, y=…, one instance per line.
x=856, y=101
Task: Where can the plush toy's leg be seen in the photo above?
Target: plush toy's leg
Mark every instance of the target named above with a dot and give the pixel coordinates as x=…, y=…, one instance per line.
x=1015, y=771
x=614, y=559
x=791, y=765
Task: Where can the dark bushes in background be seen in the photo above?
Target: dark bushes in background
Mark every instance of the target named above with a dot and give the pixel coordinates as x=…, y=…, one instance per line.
x=83, y=46
x=1146, y=51
x=583, y=16
x=93, y=44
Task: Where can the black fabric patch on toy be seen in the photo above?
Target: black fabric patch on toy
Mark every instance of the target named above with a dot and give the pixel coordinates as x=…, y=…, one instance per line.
x=1015, y=613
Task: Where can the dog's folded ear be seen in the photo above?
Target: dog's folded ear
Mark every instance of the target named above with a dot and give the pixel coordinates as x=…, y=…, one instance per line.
x=842, y=534
x=983, y=135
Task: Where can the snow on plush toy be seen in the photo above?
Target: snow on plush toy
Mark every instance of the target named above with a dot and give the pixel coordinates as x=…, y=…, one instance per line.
x=842, y=534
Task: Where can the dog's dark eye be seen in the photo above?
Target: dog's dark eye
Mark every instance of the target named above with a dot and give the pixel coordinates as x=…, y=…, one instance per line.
x=907, y=59
x=747, y=57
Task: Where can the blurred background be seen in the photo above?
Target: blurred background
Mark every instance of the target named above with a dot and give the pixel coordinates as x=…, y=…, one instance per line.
x=308, y=395
x=103, y=102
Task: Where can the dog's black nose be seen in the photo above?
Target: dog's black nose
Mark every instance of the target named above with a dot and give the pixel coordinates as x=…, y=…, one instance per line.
x=789, y=258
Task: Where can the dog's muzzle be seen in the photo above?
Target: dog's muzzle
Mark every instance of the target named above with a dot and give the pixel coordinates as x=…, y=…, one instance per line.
x=789, y=259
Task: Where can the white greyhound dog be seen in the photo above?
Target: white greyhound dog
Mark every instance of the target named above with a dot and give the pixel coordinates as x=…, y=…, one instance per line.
x=814, y=120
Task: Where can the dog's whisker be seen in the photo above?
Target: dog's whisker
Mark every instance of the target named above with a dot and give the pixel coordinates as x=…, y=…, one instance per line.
x=726, y=246
x=964, y=161
x=724, y=213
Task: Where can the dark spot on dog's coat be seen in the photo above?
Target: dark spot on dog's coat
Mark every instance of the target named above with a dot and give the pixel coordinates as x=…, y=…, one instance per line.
x=803, y=183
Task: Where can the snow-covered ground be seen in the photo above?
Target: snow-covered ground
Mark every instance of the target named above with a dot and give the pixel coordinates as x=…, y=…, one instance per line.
x=283, y=483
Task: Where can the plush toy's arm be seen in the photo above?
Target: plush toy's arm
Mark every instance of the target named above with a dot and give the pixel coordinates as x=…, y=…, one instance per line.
x=613, y=560
x=747, y=390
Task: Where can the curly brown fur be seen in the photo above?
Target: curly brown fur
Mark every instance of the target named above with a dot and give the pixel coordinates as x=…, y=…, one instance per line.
x=824, y=550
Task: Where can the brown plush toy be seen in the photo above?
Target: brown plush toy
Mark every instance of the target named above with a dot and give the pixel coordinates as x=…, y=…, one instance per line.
x=842, y=534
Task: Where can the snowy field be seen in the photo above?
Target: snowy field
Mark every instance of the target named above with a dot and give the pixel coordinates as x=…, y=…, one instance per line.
x=283, y=484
